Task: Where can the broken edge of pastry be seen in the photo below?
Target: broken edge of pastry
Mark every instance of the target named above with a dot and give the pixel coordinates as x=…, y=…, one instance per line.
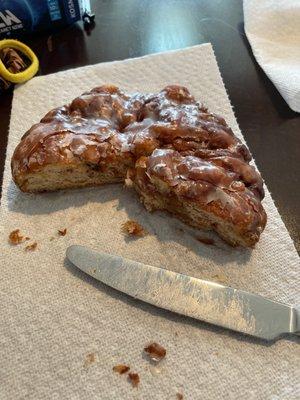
x=58, y=176
x=199, y=194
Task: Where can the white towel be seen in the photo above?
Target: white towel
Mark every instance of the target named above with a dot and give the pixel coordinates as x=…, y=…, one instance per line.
x=273, y=30
x=53, y=316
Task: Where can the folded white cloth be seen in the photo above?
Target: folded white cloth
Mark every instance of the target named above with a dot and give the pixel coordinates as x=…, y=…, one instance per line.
x=273, y=30
x=53, y=316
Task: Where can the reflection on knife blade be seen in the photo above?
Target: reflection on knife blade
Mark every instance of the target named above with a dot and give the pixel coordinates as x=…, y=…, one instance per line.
x=207, y=301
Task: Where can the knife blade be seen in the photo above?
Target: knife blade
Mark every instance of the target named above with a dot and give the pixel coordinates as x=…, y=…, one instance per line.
x=200, y=299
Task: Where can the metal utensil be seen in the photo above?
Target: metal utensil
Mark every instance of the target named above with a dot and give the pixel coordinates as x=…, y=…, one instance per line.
x=207, y=301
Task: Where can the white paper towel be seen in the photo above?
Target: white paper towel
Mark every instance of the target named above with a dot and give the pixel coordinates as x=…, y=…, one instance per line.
x=53, y=316
x=273, y=30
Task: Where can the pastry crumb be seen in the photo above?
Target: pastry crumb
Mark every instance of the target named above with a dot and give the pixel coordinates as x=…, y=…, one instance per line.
x=52, y=238
x=179, y=396
x=155, y=351
x=133, y=228
x=62, y=232
x=134, y=379
x=15, y=237
x=121, y=369
x=220, y=277
x=90, y=359
x=206, y=240
x=31, y=247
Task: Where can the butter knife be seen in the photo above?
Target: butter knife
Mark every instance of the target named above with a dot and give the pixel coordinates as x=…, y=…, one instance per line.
x=200, y=299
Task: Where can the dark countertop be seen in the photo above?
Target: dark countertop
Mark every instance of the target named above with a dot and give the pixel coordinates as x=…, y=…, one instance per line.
x=138, y=27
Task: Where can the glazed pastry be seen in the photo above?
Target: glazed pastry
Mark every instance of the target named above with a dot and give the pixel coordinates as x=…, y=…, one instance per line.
x=178, y=156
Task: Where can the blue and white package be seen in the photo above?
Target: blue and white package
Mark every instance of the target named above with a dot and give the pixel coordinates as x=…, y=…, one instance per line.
x=18, y=17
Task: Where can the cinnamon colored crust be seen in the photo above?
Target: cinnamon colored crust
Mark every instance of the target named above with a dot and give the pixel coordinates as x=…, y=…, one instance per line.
x=180, y=157
x=201, y=194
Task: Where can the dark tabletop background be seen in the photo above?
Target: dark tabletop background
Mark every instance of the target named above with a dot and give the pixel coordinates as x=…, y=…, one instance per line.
x=132, y=28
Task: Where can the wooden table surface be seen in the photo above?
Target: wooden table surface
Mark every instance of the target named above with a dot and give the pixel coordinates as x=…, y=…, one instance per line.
x=133, y=28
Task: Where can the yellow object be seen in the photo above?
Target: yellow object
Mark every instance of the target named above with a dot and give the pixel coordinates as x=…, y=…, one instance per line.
x=29, y=72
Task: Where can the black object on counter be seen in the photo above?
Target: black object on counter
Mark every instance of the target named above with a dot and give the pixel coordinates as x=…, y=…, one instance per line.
x=19, y=17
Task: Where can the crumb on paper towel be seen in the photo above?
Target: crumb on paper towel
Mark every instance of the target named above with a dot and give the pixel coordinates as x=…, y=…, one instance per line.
x=134, y=379
x=205, y=240
x=155, y=351
x=62, y=232
x=90, y=359
x=121, y=369
x=179, y=396
x=133, y=228
x=31, y=247
x=15, y=237
x=220, y=277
